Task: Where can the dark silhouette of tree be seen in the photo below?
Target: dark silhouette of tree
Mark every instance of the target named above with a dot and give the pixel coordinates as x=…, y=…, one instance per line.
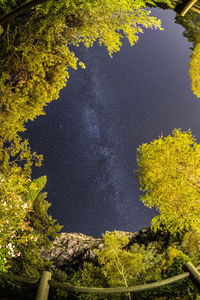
x=191, y=23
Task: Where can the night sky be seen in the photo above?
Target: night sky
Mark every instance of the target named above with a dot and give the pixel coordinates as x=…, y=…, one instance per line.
x=90, y=135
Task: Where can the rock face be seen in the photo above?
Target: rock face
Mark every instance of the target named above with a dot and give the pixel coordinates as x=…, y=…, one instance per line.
x=71, y=249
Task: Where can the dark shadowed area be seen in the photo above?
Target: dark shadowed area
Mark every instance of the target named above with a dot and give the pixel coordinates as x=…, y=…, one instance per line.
x=90, y=135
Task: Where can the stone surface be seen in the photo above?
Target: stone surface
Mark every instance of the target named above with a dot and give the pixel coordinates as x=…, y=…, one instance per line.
x=70, y=249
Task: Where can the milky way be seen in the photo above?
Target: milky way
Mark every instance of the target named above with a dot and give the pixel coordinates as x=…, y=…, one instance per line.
x=109, y=178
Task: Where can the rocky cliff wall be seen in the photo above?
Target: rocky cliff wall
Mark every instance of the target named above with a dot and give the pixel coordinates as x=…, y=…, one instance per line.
x=71, y=249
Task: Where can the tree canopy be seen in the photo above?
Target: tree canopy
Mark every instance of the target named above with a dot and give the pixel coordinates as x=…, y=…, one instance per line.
x=35, y=55
x=25, y=226
x=191, y=23
x=195, y=70
x=169, y=174
x=119, y=266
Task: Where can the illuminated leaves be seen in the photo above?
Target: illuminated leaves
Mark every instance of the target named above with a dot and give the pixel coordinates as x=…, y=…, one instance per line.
x=169, y=174
x=15, y=204
x=17, y=154
x=25, y=226
x=35, y=55
x=109, y=21
x=191, y=24
x=118, y=265
x=195, y=70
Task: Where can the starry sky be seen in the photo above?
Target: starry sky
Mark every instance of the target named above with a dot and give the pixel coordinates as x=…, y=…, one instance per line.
x=89, y=136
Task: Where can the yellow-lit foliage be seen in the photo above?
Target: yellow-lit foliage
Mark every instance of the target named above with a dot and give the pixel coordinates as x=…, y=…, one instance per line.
x=195, y=70
x=15, y=204
x=18, y=153
x=35, y=55
x=191, y=244
x=110, y=20
x=119, y=266
x=31, y=76
x=25, y=226
x=169, y=174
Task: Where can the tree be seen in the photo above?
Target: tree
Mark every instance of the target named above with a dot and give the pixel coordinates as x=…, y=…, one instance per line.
x=109, y=19
x=119, y=266
x=191, y=24
x=195, y=70
x=31, y=4
x=16, y=156
x=33, y=70
x=44, y=229
x=8, y=17
x=35, y=55
x=191, y=244
x=169, y=174
x=25, y=226
x=89, y=275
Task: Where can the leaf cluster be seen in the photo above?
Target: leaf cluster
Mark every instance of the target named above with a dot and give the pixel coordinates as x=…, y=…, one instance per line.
x=168, y=173
x=25, y=226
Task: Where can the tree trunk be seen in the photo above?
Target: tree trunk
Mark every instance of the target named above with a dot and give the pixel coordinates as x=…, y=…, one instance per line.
x=20, y=10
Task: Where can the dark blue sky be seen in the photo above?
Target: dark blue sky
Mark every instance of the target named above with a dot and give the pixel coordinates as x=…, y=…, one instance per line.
x=90, y=135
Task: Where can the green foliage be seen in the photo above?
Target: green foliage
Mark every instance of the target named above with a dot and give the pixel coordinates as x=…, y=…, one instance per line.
x=170, y=265
x=168, y=171
x=30, y=263
x=35, y=187
x=22, y=208
x=150, y=255
x=106, y=20
x=191, y=245
x=60, y=276
x=191, y=23
x=90, y=276
x=34, y=61
x=119, y=266
x=35, y=55
x=173, y=262
x=25, y=225
x=194, y=69
x=16, y=155
x=4, y=256
x=15, y=229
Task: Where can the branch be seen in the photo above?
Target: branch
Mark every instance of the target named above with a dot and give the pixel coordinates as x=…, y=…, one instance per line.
x=20, y=10
x=118, y=263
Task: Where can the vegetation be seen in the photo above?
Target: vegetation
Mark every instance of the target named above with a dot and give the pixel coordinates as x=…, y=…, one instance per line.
x=150, y=263
x=191, y=24
x=35, y=58
x=119, y=266
x=25, y=226
x=35, y=55
x=168, y=172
